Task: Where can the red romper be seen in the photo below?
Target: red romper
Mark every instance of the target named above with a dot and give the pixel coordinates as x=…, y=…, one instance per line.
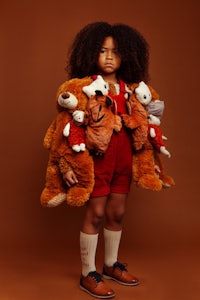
x=113, y=171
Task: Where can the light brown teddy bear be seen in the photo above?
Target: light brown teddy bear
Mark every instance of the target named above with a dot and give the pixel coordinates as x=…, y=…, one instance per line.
x=62, y=157
x=137, y=121
x=148, y=171
x=101, y=122
x=67, y=152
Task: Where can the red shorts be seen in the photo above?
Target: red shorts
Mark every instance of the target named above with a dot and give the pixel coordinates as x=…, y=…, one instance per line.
x=113, y=171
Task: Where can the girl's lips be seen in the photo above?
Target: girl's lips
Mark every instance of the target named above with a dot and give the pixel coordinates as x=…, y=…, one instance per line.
x=108, y=65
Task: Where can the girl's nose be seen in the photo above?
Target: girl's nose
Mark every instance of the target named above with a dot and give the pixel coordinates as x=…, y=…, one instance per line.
x=109, y=55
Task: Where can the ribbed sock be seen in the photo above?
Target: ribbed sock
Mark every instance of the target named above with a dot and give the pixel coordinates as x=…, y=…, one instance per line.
x=112, y=241
x=88, y=246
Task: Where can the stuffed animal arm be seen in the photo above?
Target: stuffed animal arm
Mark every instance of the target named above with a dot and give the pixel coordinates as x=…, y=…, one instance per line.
x=97, y=85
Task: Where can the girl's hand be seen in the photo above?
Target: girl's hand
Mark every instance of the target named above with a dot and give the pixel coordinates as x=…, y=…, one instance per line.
x=70, y=178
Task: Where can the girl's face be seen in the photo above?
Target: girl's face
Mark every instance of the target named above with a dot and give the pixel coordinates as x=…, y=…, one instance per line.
x=109, y=59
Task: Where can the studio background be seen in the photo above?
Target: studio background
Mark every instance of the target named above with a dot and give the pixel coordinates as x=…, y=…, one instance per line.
x=39, y=247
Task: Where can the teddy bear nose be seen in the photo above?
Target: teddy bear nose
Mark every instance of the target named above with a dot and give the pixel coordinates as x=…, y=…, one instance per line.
x=65, y=95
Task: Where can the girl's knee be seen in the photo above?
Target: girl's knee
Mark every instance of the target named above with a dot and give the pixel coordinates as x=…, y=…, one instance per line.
x=115, y=216
x=97, y=219
x=118, y=217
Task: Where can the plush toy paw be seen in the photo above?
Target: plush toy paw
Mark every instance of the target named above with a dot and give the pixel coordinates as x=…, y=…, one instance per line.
x=167, y=181
x=78, y=148
x=77, y=196
x=51, y=202
x=164, y=151
x=151, y=182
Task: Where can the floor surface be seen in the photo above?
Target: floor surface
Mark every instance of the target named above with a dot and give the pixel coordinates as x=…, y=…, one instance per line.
x=53, y=274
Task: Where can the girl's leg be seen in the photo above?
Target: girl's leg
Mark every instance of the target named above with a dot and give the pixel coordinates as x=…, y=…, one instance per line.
x=88, y=246
x=91, y=281
x=89, y=233
x=115, y=210
x=94, y=215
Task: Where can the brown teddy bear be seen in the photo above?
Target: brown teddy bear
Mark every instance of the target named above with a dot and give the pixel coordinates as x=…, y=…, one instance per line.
x=148, y=171
x=101, y=122
x=67, y=152
x=62, y=157
x=136, y=121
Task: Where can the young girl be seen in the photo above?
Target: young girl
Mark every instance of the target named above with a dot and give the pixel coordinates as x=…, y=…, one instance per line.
x=119, y=54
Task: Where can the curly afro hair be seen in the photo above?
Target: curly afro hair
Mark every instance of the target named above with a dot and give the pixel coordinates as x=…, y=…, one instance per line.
x=131, y=45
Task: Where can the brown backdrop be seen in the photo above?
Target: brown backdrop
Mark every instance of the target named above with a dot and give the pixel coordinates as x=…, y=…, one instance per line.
x=34, y=39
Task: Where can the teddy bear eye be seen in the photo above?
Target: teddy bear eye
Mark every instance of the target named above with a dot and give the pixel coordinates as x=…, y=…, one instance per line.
x=145, y=96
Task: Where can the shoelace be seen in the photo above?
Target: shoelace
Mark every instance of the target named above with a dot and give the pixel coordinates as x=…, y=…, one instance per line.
x=96, y=276
x=120, y=266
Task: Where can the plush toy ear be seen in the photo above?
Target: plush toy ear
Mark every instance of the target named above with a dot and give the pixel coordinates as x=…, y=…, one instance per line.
x=108, y=101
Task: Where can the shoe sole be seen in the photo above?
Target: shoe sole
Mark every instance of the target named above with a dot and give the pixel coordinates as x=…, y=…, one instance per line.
x=121, y=282
x=94, y=295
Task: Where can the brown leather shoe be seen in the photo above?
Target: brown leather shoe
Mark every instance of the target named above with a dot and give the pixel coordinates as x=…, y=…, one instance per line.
x=95, y=286
x=119, y=273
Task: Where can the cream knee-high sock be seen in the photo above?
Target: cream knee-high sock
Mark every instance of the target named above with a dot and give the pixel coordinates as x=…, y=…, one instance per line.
x=112, y=241
x=88, y=246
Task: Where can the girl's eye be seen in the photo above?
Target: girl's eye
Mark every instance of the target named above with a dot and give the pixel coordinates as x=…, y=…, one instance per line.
x=114, y=51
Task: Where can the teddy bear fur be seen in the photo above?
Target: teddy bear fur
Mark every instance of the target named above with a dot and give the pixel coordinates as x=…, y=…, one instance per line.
x=62, y=158
x=147, y=159
x=101, y=122
x=136, y=120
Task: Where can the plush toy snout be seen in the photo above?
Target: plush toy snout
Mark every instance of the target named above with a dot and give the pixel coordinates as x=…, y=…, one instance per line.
x=108, y=99
x=65, y=95
x=67, y=100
